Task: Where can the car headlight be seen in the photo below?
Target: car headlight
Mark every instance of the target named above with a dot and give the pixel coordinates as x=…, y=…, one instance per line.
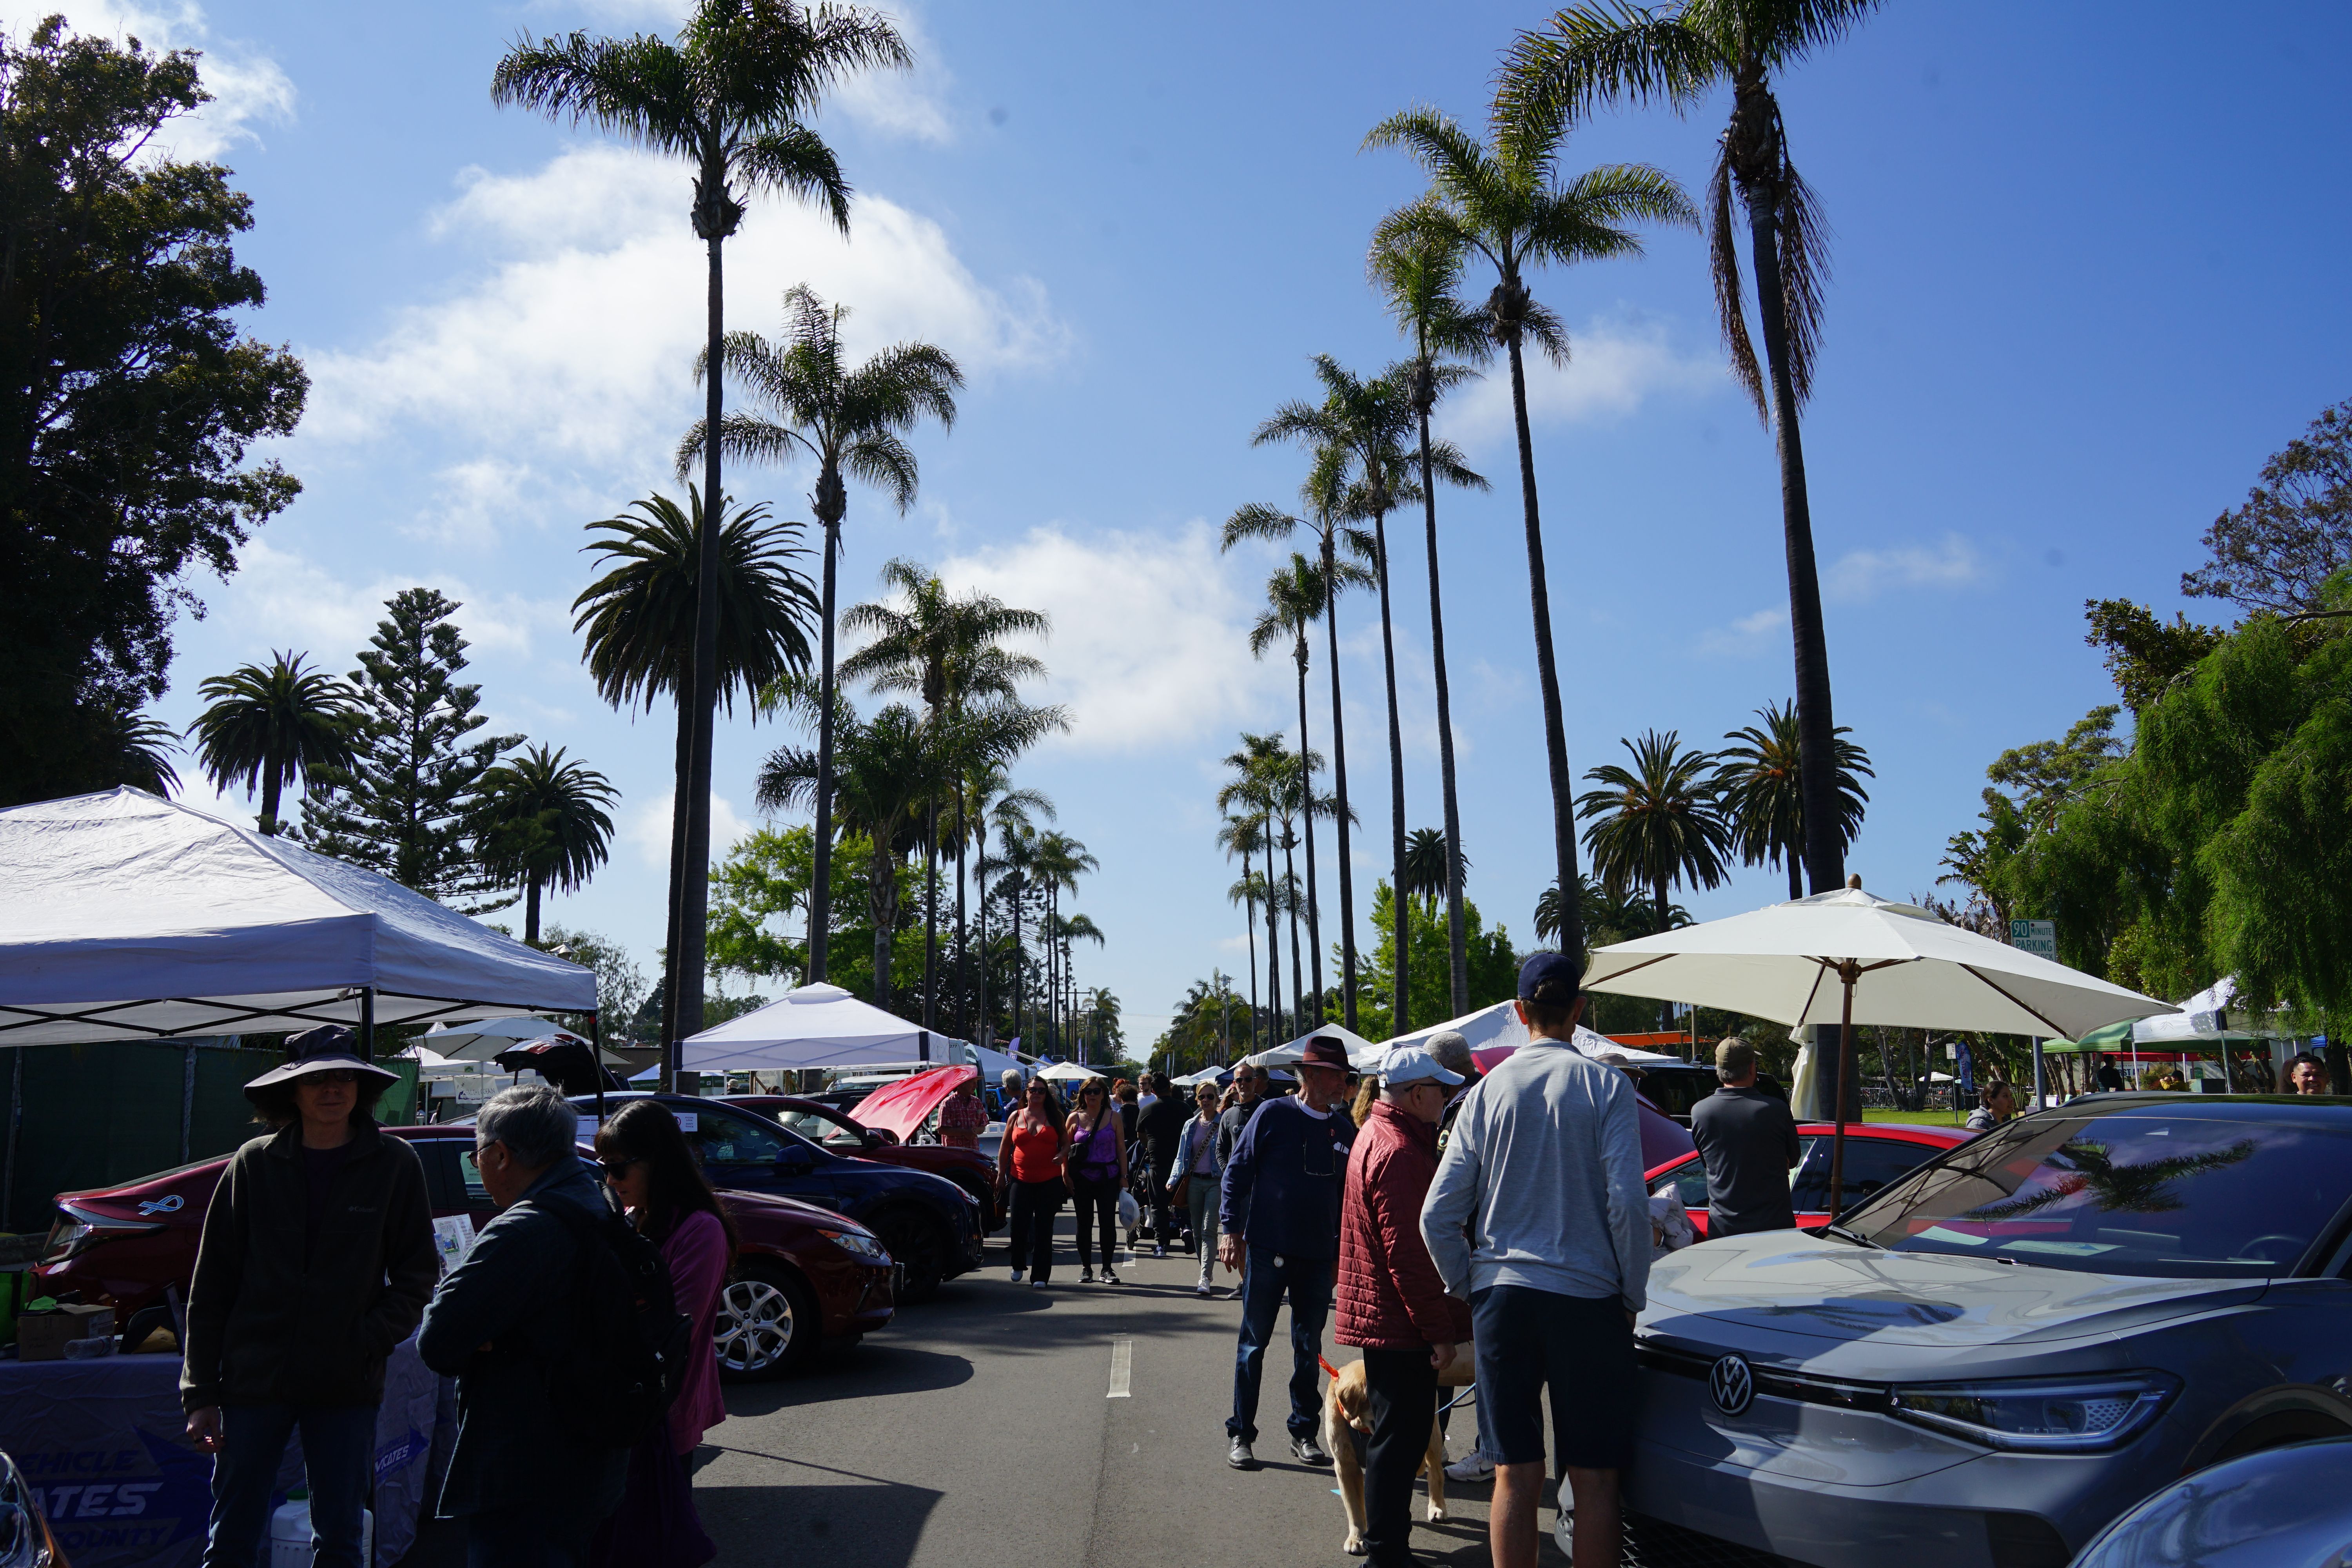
x=858, y=1244
x=2056, y=1416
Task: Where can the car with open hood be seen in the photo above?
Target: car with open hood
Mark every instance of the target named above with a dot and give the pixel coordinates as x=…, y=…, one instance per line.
x=1989, y=1360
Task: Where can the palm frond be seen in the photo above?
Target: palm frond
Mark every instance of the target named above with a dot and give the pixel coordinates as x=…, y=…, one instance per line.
x=1602, y=53
x=1804, y=274
x=639, y=89
x=1257, y=520
x=795, y=160
x=1723, y=263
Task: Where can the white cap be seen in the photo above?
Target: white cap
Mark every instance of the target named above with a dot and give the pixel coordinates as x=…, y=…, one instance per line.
x=1412, y=1064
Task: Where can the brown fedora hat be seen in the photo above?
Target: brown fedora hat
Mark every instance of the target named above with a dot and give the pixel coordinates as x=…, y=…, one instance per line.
x=1323, y=1051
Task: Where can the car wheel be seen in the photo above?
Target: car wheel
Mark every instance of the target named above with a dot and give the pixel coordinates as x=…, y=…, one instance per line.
x=766, y=1326
x=2277, y=1431
x=914, y=1242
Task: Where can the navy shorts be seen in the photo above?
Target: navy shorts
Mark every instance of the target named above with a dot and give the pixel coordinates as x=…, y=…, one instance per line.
x=1581, y=1348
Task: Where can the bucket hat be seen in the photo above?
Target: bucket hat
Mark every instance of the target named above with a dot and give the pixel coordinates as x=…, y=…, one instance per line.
x=322, y=1050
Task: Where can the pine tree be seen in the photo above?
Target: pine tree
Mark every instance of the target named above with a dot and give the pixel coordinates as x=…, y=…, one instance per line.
x=404, y=805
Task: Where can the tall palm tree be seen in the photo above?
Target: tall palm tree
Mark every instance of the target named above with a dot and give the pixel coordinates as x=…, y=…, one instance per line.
x=272, y=727
x=945, y=648
x=1758, y=786
x=1503, y=200
x=1295, y=597
x=540, y=820
x=1656, y=824
x=1015, y=861
x=732, y=96
x=1249, y=892
x=1060, y=862
x=1418, y=273
x=1068, y=930
x=639, y=621
x=1371, y=421
x=1327, y=511
x=1248, y=797
x=1597, y=53
x=988, y=798
x=852, y=420
x=1429, y=870
x=128, y=747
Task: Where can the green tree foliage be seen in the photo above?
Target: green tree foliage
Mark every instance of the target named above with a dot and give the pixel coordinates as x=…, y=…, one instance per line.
x=758, y=912
x=127, y=398
x=1759, y=787
x=2144, y=656
x=1655, y=825
x=407, y=804
x=620, y=985
x=1494, y=969
x=2296, y=529
x=539, y=821
x=272, y=728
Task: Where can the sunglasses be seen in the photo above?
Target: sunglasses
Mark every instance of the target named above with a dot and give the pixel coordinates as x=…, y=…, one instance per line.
x=1090, y=1091
x=615, y=1169
x=332, y=1075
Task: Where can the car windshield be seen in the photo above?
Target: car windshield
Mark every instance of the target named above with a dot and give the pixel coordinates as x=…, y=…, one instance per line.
x=2135, y=1191
x=822, y=1128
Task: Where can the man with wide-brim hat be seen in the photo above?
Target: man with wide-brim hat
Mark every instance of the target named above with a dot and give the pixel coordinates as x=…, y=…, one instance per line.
x=317, y=1259
x=1280, y=1218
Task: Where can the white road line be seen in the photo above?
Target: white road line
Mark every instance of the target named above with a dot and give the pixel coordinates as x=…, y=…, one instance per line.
x=1122, y=1366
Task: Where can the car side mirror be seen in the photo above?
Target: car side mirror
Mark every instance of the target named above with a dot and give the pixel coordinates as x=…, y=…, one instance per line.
x=879, y=1138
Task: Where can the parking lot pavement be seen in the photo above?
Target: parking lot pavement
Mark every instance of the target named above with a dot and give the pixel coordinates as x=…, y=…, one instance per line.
x=979, y=1429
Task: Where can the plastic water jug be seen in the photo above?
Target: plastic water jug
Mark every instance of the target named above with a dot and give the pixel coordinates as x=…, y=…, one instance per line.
x=290, y=1532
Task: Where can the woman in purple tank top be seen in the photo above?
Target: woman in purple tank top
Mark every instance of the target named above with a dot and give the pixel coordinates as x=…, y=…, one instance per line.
x=1097, y=1173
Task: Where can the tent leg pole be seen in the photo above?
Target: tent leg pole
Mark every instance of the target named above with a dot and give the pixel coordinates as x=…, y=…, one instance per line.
x=1847, y=973
x=596, y=1060
x=367, y=1023
x=2038, y=1099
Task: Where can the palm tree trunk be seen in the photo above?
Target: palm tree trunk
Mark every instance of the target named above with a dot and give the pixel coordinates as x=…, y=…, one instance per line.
x=692, y=873
x=1273, y=943
x=1340, y=786
x=272, y=782
x=931, y=914
x=1816, y=730
x=531, y=911
x=1019, y=990
x=821, y=887
x=882, y=904
x=962, y=951
x=980, y=899
x=1314, y=930
x=1399, y=1005
x=1456, y=941
x=1796, y=873
x=1563, y=803
x=1249, y=929
x=683, y=774
x=1290, y=883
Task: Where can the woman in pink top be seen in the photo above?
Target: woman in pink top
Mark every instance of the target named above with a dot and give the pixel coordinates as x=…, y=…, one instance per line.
x=654, y=1173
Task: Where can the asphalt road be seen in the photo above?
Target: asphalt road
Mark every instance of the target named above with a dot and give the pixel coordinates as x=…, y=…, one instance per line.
x=979, y=1430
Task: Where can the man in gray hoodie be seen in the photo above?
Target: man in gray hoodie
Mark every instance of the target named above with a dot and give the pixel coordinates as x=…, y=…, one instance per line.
x=1539, y=1216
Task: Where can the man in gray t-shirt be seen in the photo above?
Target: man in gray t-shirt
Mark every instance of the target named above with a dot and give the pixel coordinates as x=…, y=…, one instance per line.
x=1748, y=1141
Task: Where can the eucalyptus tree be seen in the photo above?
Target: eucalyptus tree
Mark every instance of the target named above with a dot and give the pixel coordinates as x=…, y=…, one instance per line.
x=1656, y=824
x=1418, y=275
x=853, y=420
x=639, y=623
x=1329, y=511
x=540, y=821
x=1370, y=421
x=1295, y=597
x=1598, y=53
x=1759, y=784
x=947, y=649
x=732, y=95
x=1503, y=200
x=270, y=727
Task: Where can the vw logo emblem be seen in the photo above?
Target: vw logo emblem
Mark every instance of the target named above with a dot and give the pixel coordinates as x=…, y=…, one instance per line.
x=1733, y=1385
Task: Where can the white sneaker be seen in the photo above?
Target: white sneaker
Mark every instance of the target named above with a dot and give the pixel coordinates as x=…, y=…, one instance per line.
x=1473, y=1466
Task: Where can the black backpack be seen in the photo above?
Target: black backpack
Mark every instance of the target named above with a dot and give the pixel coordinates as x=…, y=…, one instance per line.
x=629, y=1343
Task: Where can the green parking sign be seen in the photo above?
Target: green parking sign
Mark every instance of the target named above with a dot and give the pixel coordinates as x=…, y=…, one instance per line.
x=2039, y=938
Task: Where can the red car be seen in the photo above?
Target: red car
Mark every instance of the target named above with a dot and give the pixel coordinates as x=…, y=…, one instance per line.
x=842, y=1134
x=803, y=1275
x=1876, y=1153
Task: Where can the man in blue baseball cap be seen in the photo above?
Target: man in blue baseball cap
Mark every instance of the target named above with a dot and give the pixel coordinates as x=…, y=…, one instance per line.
x=1544, y=1169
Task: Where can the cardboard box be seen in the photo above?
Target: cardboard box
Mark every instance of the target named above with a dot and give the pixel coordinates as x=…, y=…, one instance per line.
x=42, y=1336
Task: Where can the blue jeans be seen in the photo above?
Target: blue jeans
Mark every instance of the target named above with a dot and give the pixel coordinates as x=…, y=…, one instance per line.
x=338, y=1451
x=531, y=1537
x=1309, y=1283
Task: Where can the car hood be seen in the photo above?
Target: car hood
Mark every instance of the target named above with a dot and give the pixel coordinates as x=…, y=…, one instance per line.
x=1815, y=1289
x=740, y=1202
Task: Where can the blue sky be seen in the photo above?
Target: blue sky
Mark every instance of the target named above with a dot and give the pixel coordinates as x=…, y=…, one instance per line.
x=2087, y=273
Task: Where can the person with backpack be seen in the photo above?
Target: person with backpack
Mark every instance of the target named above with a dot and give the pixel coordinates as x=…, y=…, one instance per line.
x=1157, y=1128
x=534, y=1327
x=1096, y=1172
x=662, y=1189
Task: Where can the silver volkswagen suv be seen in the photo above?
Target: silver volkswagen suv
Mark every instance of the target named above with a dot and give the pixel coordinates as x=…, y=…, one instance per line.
x=1995, y=1356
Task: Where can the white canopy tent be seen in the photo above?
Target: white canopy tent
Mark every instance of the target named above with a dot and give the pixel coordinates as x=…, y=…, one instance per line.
x=2212, y=1014
x=1066, y=1072
x=817, y=1026
x=130, y=917
x=1290, y=1052
x=1498, y=1026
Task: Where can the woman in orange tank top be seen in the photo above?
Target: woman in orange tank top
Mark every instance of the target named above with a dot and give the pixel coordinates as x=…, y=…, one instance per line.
x=1029, y=1161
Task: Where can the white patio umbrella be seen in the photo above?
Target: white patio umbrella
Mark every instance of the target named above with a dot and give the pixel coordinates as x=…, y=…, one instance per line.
x=1850, y=957
x=1068, y=1072
x=480, y=1042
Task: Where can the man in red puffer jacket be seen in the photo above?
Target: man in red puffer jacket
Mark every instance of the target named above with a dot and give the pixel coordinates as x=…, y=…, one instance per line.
x=1390, y=1299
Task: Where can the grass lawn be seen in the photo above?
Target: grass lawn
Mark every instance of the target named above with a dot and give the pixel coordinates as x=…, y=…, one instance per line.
x=1920, y=1118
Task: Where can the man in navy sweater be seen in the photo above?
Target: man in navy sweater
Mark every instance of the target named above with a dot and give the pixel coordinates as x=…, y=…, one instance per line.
x=1280, y=1218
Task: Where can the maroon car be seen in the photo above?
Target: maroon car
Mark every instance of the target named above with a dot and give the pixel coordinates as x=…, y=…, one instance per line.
x=803, y=1275
x=841, y=1133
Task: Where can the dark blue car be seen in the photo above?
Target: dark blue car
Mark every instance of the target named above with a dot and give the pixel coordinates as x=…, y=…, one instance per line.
x=930, y=1226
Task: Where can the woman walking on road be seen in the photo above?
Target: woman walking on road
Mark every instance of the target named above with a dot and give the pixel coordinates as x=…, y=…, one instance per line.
x=652, y=1171
x=1098, y=1173
x=1192, y=1181
x=1030, y=1162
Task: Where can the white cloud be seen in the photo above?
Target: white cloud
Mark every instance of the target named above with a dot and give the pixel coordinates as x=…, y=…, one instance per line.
x=1149, y=648
x=248, y=88
x=304, y=607
x=1747, y=636
x=580, y=338
x=1864, y=575
x=1616, y=363
x=647, y=829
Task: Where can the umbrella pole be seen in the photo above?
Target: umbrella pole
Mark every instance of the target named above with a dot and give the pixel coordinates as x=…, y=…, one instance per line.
x=1847, y=973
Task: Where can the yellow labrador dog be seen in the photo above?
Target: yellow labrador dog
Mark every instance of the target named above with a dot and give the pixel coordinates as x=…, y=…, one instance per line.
x=1347, y=1408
